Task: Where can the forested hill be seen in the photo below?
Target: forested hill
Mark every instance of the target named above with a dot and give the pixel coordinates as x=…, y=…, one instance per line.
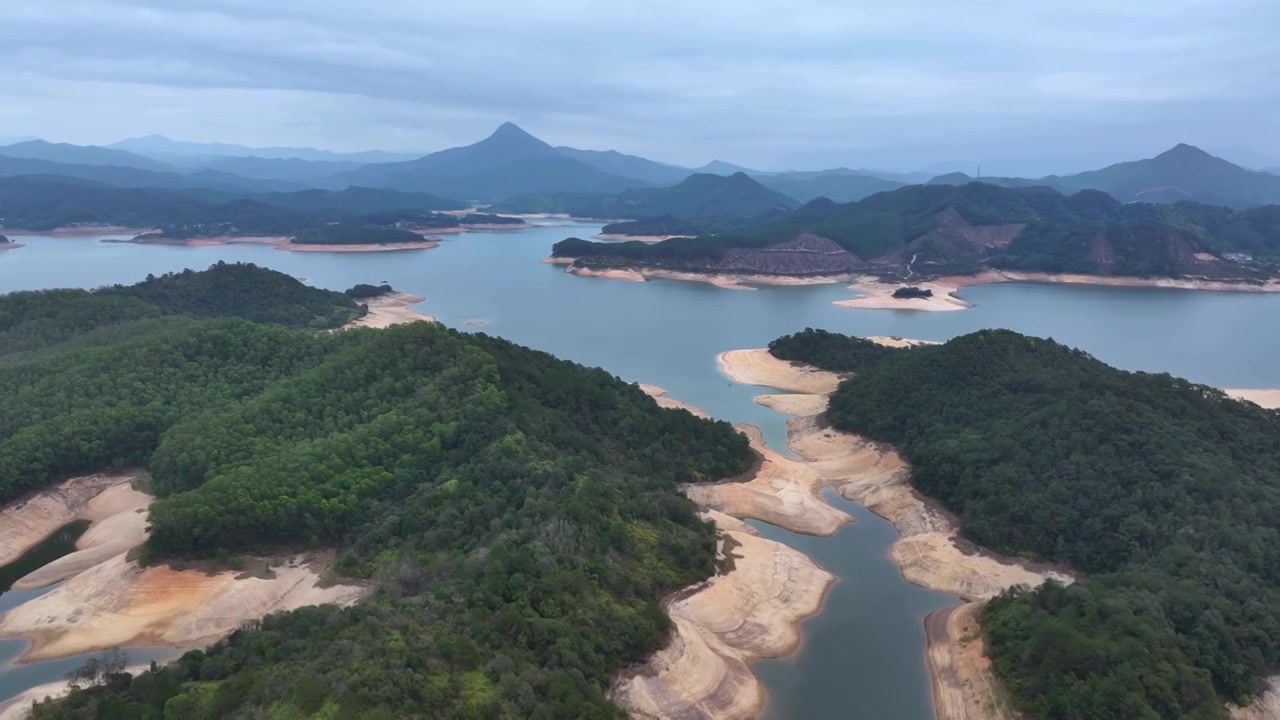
x=33, y=320
x=1165, y=492
x=44, y=203
x=947, y=230
x=698, y=196
x=518, y=516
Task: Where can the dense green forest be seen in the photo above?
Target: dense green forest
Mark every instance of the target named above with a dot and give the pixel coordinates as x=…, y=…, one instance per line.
x=32, y=320
x=44, y=203
x=963, y=229
x=517, y=515
x=1165, y=492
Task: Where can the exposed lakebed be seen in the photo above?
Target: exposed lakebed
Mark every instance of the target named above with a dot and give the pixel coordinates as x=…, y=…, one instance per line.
x=864, y=654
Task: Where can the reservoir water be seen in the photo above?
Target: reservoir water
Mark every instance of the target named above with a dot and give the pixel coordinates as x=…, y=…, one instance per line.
x=863, y=656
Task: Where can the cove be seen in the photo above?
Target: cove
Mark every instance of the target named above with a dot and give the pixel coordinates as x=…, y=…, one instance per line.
x=864, y=654
x=61, y=542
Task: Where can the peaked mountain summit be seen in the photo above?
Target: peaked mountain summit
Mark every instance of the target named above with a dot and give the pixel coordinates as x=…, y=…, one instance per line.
x=508, y=162
x=1184, y=172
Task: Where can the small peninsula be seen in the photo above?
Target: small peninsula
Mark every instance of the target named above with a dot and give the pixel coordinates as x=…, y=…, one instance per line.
x=980, y=419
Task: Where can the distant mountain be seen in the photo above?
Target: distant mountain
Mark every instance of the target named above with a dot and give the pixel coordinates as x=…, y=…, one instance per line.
x=935, y=230
x=841, y=187
x=307, y=172
x=1182, y=173
x=161, y=147
x=509, y=162
x=698, y=196
x=139, y=178
x=631, y=166
x=720, y=167
x=80, y=155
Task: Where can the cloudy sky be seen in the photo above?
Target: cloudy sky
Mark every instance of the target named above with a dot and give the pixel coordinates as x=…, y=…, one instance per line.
x=1020, y=86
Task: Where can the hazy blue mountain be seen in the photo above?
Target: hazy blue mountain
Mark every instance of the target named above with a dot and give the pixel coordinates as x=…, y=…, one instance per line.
x=616, y=163
x=841, y=187
x=509, y=162
x=307, y=172
x=161, y=147
x=1181, y=173
x=80, y=155
x=720, y=167
x=140, y=178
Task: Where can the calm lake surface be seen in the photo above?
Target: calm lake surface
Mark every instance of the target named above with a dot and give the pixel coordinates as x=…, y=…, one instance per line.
x=863, y=656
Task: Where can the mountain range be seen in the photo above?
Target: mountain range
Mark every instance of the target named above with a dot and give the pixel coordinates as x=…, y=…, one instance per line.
x=1181, y=173
x=511, y=162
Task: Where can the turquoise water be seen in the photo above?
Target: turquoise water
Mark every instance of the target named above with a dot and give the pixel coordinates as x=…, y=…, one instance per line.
x=864, y=655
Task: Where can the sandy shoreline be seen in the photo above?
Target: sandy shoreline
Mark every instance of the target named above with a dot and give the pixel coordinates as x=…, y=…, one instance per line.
x=29, y=521
x=390, y=309
x=107, y=600
x=726, y=281
x=963, y=684
x=876, y=295
x=284, y=242
x=76, y=231
x=18, y=707
x=10, y=245
x=117, y=602
x=998, y=276
x=750, y=611
x=620, y=237
x=1267, y=398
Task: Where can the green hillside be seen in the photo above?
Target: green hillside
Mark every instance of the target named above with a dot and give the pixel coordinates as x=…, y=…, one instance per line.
x=958, y=229
x=517, y=517
x=1165, y=493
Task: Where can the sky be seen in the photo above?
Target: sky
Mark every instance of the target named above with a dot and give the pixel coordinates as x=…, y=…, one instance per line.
x=1016, y=86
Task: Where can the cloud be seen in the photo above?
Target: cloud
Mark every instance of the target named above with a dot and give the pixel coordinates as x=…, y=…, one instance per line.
x=765, y=82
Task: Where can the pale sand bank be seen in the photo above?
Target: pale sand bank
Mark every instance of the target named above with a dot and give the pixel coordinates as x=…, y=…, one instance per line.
x=759, y=367
x=29, y=521
x=876, y=295
x=390, y=309
x=724, y=281
x=120, y=603
x=380, y=247
x=783, y=492
x=998, y=276
x=1266, y=398
x=284, y=242
x=659, y=396
x=749, y=611
x=964, y=686
x=18, y=707
x=1265, y=707
x=10, y=245
x=78, y=231
x=119, y=524
x=619, y=237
